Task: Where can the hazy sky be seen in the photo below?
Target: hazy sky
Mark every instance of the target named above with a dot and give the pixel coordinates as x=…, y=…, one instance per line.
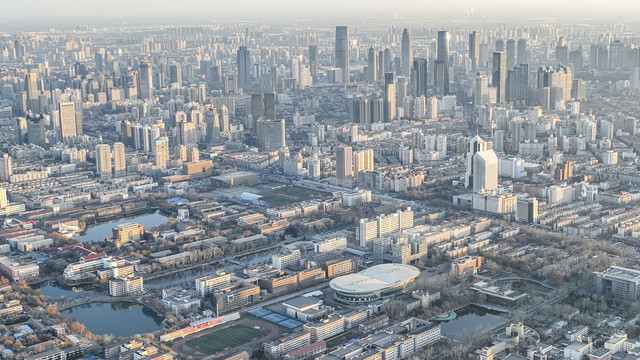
x=57, y=12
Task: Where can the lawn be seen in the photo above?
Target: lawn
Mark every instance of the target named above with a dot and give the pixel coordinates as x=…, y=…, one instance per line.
x=228, y=338
x=288, y=194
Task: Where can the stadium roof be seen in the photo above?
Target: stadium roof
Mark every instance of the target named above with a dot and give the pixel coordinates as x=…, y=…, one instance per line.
x=375, y=278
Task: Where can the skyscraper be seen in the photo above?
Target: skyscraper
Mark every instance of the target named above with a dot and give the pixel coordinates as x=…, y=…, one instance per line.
x=175, y=74
x=419, y=78
x=36, y=132
x=474, y=50
x=344, y=158
x=270, y=106
x=443, y=46
x=372, y=67
x=161, y=149
x=485, y=171
x=244, y=67
x=389, y=97
x=313, y=62
x=67, y=115
x=146, y=81
x=474, y=145
x=212, y=121
x=21, y=130
x=407, y=56
x=499, y=45
x=441, y=71
x=257, y=108
x=441, y=78
x=119, y=162
x=103, y=160
x=522, y=52
x=342, y=51
x=6, y=167
x=511, y=54
x=499, y=77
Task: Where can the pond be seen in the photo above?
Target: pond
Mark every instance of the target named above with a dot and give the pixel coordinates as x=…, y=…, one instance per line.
x=121, y=319
x=99, y=232
x=469, y=321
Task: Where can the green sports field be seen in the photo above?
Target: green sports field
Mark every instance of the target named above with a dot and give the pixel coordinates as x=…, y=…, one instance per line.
x=224, y=339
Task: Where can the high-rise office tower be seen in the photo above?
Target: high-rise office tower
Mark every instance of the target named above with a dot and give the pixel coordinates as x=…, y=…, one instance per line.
x=499, y=45
x=419, y=78
x=443, y=46
x=146, y=80
x=485, y=171
x=119, y=162
x=313, y=62
x=407, y=56
x=342, y=51
x=212, y=121
x=499, y=77
x=161, y=150
x=344, y=158
x=36, y=132
x=522, y=52
x=175, y=74
x=441, y=78
x=388, y=61
x=389, y=97
x=381, y=65
x=68, y=126
x=441, y=71
x=517, y=84
x=6, y=167
x=244, y=67
x=21, y=130
x=372, y=67
x=103, y=160
x=474, y=50
x=257, y=108
x=31, y=84
x=511, y=53
x=474, y=145
x=402, y=86
x=271, y=134
x=270, y=106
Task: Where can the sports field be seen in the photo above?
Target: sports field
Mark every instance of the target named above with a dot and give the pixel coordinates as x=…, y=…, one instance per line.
x=225, y=340
x=216, y=342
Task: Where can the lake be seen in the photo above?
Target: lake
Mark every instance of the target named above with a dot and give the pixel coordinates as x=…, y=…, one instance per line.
x=99, y=232
x=54, y=289
x=470, y=321
x=122, y=319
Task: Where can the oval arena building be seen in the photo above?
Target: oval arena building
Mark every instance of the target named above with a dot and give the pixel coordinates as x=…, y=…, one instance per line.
x=374, y=283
